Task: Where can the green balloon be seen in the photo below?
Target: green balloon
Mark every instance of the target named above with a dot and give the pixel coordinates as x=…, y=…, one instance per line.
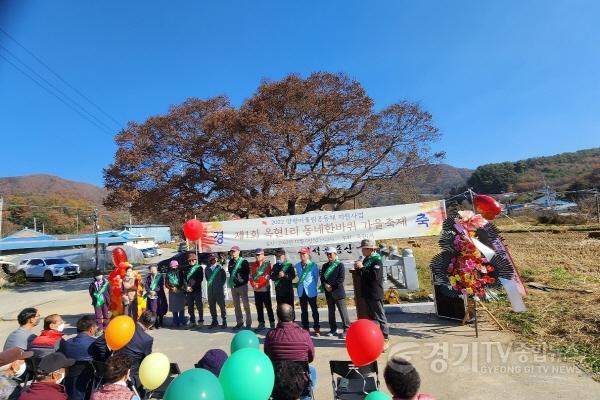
x=195, y=384
x=247, y=375
x=243, y=340
x=377, y=395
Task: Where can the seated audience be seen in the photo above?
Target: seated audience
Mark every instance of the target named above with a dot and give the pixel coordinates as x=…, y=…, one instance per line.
x=12, y=365
x=51, y=372
x=213, y=361
x=51, y=337
x=288, y=342
x=289, y=381
x=140, y=344
x=116, y=376
x=78, y=347
x=403, y=380
x=23, y=335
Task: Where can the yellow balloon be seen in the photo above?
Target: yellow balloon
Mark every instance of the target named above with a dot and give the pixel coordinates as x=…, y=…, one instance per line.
x=154, y=370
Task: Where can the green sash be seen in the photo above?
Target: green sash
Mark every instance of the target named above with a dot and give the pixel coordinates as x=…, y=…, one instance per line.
x=191, y=271
x=99, y=295
x=372, y=259
x=235, y=270
x=305, y=271
x=212, y=277
x=155, y=282
x=284, y=267
x=261, y=270
x=173, y=278
x=328, y=272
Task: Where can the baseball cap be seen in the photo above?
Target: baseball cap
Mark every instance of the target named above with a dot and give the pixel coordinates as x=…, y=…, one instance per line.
x=330, y=249
x=259, y=251
x=212, y=255
x=14, y=354
x=235, y=248
x=280, y=251
x=53, y=362
x=304, y=250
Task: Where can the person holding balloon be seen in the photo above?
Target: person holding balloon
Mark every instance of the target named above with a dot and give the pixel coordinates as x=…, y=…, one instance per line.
x=100, y=292
x=175, y=282
x=371, y=283
x=154, y=284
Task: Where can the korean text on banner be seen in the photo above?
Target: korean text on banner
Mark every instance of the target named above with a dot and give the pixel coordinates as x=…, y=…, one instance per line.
x=316, y=228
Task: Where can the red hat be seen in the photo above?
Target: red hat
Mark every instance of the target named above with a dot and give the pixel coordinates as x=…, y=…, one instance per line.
x=235, y=248
x=304, y=250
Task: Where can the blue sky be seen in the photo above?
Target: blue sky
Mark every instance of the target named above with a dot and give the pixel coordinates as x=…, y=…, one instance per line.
x=504, y=80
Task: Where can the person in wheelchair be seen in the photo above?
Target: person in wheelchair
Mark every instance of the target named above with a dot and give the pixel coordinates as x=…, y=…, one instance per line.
x=117, y=386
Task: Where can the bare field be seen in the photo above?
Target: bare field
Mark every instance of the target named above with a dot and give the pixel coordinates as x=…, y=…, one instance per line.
x=567, y=321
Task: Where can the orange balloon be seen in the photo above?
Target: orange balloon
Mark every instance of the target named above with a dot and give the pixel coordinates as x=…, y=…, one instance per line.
x=119, y=332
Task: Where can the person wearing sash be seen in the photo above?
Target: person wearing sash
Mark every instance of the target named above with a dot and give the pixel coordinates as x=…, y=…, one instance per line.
x=283, y=274
x=371, y=284
x=260, y=271
x=308, y=272
x=175, y=282
x=332, y=283
x=215, y=284
x=156, y=299
x=194, y=275
x=239, y=273
x=100, y=293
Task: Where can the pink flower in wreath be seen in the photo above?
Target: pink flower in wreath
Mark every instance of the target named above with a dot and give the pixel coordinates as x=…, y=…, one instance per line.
x=471, y=221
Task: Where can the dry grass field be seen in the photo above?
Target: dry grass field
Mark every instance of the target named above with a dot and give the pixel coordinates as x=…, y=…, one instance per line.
x=568, y=322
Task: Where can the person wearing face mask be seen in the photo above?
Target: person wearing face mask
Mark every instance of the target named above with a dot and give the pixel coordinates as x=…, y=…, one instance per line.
x=51, y=337
x=283, y=274
x=51, y=372
x=215, y=283
x=129, y=288
x=116, y=377
x=22, y=337
x=12, y=365
x=100, y=293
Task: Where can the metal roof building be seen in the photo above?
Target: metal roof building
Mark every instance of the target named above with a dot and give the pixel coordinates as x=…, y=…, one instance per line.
x=27, y=240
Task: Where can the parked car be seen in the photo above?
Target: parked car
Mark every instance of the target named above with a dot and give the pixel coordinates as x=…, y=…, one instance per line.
x=159, y=251
x=149, y=252
x=48, y=269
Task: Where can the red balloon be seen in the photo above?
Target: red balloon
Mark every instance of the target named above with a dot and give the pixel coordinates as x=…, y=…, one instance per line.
x=118, y=256
x=487, y=206
x=364, y=342
x=192, y=229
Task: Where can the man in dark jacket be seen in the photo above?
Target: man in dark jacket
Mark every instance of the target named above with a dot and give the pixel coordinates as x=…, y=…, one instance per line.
x=239, y=274
x=51, y=372
x=140, y=344
x=194, y=274
x=282, y=275
x=371, y=284
x=78, y=348
x=332, y=283
x=215, y=285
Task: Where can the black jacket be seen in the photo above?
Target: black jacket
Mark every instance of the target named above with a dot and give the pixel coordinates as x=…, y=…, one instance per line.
x=137, y=349
x=217, y=286
x=336, y=280
x=195, y=280
x=285, y=288
x=371, y=281
x=243, y=274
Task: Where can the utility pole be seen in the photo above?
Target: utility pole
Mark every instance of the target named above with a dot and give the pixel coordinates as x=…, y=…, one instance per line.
x=597, y=207
x=95, y=219
x=1, y=209
x=34, y=224
x=77, y=222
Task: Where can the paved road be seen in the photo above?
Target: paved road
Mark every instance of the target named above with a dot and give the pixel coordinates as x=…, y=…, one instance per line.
x=453, y=364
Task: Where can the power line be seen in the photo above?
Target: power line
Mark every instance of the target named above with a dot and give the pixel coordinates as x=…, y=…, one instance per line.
x=119, y=125
x=55, y=95
x=66, y=96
